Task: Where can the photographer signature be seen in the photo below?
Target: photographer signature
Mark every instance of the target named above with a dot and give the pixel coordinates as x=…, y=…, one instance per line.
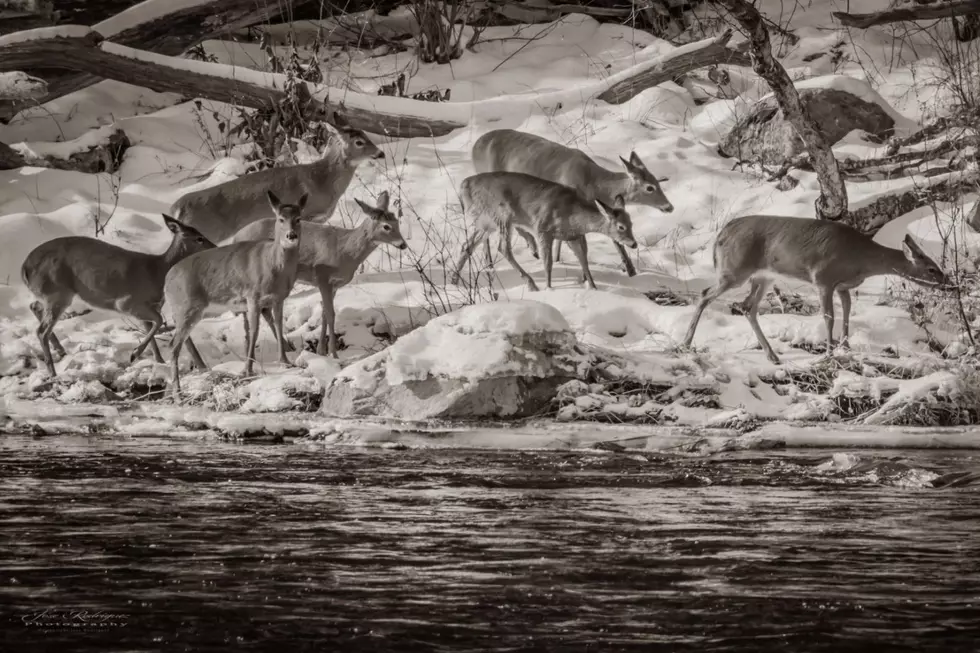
x=52, y=618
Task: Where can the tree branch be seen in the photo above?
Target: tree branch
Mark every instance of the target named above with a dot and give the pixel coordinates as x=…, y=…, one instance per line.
x=920, y=12
x=832, y=203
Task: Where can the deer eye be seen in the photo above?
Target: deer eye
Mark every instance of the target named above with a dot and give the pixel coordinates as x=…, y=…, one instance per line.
x=621, y=227
x=359, y=142
x=650, y=188
x=386, y=227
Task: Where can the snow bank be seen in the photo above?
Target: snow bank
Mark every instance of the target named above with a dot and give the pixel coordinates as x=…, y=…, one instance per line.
x=65, y=150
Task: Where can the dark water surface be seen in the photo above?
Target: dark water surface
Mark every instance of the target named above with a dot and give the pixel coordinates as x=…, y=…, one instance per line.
x=177, y=545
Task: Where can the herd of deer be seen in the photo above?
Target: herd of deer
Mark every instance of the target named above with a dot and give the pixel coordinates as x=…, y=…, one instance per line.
x=524, y=183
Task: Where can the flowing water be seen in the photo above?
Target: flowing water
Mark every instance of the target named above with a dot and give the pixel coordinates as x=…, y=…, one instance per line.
x=156, y=544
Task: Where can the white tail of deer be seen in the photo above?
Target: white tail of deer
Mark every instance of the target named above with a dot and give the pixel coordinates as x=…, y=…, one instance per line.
x=506, y=201
x=259, y=274
x=330, y=256
x=104, y=276
x=220, y=211
x=832, y=256
x=508, y=150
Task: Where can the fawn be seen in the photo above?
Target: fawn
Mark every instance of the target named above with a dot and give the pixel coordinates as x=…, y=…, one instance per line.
x=259, y=274
x=104, y=276
x=329, y=256
x=508, y=150
x=221, y=211
x=508, y=201
x=830, y=255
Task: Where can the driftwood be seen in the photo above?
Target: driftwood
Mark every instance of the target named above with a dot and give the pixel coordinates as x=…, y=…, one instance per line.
x=170, y=34
x=89, y=53
x=832, y=203
x=911, y=13
x=674, y=64
x=105, y=155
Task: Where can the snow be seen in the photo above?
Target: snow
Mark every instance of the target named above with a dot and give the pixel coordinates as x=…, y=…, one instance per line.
x=536, y=78
x=44, y=33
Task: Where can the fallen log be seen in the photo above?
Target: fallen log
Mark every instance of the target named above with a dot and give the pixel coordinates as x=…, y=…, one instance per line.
x=100, y=150
x=911, y=13
x=868, y=219
x=160, y=26
x=83, y=50
x=676, y=63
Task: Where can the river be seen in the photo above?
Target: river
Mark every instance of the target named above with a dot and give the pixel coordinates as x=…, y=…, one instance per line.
x=192, y=544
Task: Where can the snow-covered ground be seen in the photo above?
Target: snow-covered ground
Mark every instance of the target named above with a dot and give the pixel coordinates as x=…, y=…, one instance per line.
x=177, y=147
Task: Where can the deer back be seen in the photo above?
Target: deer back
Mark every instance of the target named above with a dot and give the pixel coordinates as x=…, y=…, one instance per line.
x=100, y=273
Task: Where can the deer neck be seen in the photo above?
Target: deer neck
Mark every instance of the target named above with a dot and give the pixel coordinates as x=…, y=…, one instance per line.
x=887, y=260
x=172, y=256
x=331, y=176
x=357, y=244
x=609, y=184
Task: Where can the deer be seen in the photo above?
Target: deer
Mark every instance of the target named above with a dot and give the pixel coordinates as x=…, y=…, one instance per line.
x=509, y=150
x=260, y=274
x=507, y=201
x=329, y=256
x=832, y=256
x=104, y=276
x=222, y=210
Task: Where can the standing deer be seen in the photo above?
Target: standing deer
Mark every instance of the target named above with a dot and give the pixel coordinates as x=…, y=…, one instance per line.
x=104, y=276
x=506, y=201
x=221, y=211
x=329, y=256
x=832, y=256
x=508, y=150
x=259, y=274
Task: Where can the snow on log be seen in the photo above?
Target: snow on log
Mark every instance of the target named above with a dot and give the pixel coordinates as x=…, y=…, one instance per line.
x=682, y=60
x=378, y=114
x=18, y=85
x=167, y=27
x=100, y=150
x=911, y=13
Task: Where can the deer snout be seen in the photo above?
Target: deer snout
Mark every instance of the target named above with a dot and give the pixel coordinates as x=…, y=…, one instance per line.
x=292, y=236
x=402, y=245
x=667, y=208
x=633, y=244
x=379, y=155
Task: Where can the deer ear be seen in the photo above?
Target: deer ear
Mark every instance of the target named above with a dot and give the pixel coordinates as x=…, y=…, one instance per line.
x=339, y=120
x=302, y=201
x=910, y=248
x=370, y=210
x=273, y=201
x=383, y=200
x=663, y=179
x=172, y=224
x=619, y=202
x=604, y=208
x=635, y=160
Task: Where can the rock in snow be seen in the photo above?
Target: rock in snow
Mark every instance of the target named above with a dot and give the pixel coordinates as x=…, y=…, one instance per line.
x=503, y=359
x=764, y=135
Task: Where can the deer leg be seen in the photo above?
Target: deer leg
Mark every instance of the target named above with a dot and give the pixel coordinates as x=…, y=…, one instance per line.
x=627, y=261
x=464, y=256
x=253, y=310
x=827, y=306
x=546, y=242
x=196, y=359
x=151, y=319
x=489, y=253
x=845, y=308
x=157, y=356
x=509, y=254
x=330, y=317
x=710, y=294
x=185, y=322
x=269, y=317
x=758, y=291
x=580, y=248
x=275, y=322
x=53, y=339
x=50, y=310
x=531, y=244
x=557, y=255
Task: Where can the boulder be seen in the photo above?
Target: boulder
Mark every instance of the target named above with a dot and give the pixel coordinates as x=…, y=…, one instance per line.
x=496, y=360
x=763, y=135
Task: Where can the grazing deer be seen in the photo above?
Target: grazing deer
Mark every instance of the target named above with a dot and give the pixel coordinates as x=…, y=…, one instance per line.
x=508, y=150
x=259, y=274
x=832, y=256
x=104, y=276
x=221, y=211
x=329, y=256
x=508, y=201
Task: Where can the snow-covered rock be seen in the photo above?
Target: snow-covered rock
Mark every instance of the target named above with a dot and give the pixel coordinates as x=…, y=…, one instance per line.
x=504, y=359
x=837, y=108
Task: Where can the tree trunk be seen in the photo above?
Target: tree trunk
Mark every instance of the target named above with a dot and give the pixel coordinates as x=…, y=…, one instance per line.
x=832, y=203
x=920, y=12
x=170, y=34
